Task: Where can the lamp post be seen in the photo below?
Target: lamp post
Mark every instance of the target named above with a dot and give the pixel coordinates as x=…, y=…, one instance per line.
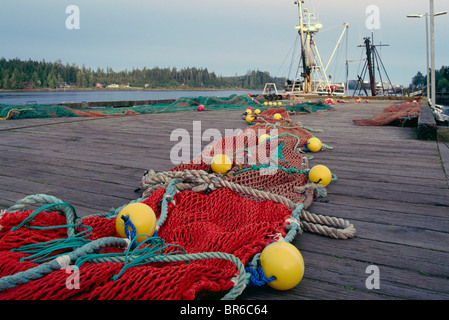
x=432, y=51
x=430, y=95
x=427, y=46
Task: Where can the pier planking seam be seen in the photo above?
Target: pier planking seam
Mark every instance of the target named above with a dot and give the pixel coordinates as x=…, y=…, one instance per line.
x=404, y=235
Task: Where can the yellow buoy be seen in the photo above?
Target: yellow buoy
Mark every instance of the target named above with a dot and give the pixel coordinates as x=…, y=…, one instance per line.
x=248, y=111
x=277, y=116
x=264, y=138
x=283, y=261
x=265, y=103
x=320, y=174
x=314, y=144
x=257, y=111
x=279, y=103
x=249, y=118
x=270, y=103
x=141, y=216
x=221, y=163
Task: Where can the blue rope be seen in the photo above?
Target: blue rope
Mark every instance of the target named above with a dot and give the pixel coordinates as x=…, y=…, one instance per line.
x=306, y=149
x=131, y=235
x=258, y=277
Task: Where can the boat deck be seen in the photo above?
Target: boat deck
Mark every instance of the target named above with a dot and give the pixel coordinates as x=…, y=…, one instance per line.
x=390, y=185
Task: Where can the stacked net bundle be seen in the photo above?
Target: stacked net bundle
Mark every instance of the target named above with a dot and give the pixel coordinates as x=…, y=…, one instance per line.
x=10, y=112
x=298, y=107
x=399, y=114
x=309, y=107
x=233, y=102
x=206, y=101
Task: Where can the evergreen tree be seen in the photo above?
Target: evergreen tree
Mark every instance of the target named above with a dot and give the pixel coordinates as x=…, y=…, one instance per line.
x=17, y=74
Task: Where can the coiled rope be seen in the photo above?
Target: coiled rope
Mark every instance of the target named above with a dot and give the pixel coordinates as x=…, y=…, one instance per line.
x=173, y=181
x=200, y=180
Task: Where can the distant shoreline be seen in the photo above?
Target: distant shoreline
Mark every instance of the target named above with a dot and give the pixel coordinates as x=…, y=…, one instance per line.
x=123, y=89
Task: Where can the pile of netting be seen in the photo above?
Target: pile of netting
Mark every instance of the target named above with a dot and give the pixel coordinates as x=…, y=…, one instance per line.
x=398, y=114
x=233, y=102
x=210, y=232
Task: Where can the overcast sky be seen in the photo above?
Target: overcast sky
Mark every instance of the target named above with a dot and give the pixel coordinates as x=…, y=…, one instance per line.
x=228, y=36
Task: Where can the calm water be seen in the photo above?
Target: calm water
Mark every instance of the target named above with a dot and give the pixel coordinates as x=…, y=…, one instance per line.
x=80, y=96
x=122, y=95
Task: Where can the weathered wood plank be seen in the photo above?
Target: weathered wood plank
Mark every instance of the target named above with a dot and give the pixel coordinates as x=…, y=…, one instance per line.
x=390, y=185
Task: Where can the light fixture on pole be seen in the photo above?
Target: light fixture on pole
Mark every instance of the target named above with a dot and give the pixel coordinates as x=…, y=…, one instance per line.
x=426, y=15
x=427, y=46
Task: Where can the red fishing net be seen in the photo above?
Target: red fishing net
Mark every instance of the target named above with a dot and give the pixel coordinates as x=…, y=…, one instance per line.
x=396, y=114
x=251, y=159
x=235, y=220
x=220, y=221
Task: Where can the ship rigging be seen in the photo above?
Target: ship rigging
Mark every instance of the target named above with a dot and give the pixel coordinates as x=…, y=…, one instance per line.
x=311, y=74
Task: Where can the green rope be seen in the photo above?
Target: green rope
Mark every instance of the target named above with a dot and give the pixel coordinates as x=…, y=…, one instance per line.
x=44, y=251
x=69, y=210
x=263, y=166
x=70, y=216
x=41, y=252
x=154, y=253
x=150, y=250
x=140, y=256
x=292, y=135
x=35, y=199
x=170, y=192
x=114, y=212
x=293, y=229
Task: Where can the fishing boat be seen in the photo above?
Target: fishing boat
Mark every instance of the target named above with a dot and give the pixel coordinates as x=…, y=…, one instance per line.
x=441, y=113
x=311, y=76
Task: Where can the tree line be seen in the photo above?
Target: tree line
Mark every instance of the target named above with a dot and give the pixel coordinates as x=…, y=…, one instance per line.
x=419, y=81
x=16, y=74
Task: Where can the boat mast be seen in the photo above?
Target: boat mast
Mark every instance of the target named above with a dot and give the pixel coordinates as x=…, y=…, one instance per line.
x=307, y=85
x=370, y=67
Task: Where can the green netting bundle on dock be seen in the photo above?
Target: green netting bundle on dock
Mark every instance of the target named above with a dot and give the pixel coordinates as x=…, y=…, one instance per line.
x=233, y=102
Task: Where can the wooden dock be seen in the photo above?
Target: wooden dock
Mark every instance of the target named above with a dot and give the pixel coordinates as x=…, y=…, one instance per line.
x=390, y=185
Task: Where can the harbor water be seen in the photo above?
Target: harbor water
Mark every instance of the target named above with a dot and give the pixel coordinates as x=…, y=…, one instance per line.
x=57, y=97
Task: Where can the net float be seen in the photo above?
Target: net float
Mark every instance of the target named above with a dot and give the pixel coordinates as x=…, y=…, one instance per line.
x=221, y=163
x=313, y=144
x=320, y=174
x=249, y=118
x=283, y=261
x=141, y=216
x=264, y=138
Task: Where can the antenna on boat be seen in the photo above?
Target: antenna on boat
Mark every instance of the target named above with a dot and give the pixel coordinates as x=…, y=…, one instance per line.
x=372, y=62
